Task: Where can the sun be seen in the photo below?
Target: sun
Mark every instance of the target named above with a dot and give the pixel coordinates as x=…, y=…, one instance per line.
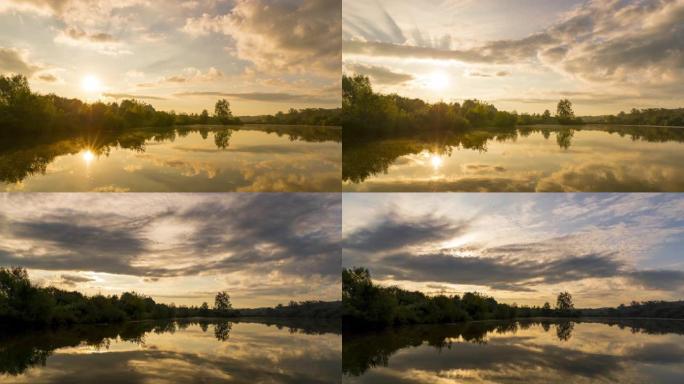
x=88, y=156
x=437, y=80
x=91, y=83
x=436, y=161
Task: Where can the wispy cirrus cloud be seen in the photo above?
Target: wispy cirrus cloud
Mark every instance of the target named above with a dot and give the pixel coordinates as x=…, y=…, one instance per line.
x=603, y=48
x=522, y=248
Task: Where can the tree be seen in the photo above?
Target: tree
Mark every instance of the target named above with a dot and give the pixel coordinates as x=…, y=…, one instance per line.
x=222, y=302
x=564, y=111
x=204, y=117
x=546, y=309
x=546, y=115
x=222, y=111
x=564, y=302
x=204, y=309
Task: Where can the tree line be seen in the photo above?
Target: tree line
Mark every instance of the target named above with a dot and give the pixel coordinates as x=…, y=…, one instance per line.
x=365, y=304
x=25, y=112
x=364, y=111
x=23, y=303
x=306, y=116
x=648, y=116
x=645, y=309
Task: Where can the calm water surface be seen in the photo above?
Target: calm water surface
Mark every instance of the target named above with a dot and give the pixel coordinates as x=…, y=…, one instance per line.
x=201, y=351
x=195, y=158
x=530, y=351
x=540, y=158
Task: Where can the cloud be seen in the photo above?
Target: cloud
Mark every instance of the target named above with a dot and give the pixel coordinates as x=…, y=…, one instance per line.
x=101, y=42
x=394, y=232
x=495, y=52
x=380, y=75
x=73, y=280
x=131, y=96
x=488, y=74
x=191, y=74
x=666, y=280
x=48, y=77
x=626, y=43
x=15, y=61
x=504, y=273
x=278, y=97
x=276, y=36
x=76, y=33
x=294, y=235
x=380, y=27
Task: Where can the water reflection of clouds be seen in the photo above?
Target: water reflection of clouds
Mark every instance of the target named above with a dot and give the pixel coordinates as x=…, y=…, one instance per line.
x=251, y=161
x=251, y=353
x=592, y=352
x=596, y=161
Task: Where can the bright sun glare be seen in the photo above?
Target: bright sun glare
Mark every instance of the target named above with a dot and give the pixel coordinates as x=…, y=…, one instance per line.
x=436, y=161
x=88, y=156
x=90, y=83
x=437, y=80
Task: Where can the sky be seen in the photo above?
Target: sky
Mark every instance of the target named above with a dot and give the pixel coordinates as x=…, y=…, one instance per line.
x=261, y=55
x=605, y=249
x=604, y=55
x=263, y=249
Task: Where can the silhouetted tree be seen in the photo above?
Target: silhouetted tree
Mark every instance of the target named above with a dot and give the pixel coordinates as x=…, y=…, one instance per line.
x=222, y=111
x=564, y=111
x=204, y=309
x=204, y=117
x=564, y=302
x=222, y=301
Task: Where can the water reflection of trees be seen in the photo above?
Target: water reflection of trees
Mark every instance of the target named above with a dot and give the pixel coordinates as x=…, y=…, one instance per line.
x=362, y=351
x=24, y=157
x=364, y=157
x=22, y=350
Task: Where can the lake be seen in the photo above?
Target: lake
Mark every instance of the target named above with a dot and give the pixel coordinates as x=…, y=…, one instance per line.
x=182, y=159
x=189, y=351
x=596, y=158
x=526, y=351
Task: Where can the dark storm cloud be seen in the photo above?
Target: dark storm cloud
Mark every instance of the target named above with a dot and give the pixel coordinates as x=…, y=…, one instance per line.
x=380, y=75
x=507, y=273
x=295, y=234
x=395, y=232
